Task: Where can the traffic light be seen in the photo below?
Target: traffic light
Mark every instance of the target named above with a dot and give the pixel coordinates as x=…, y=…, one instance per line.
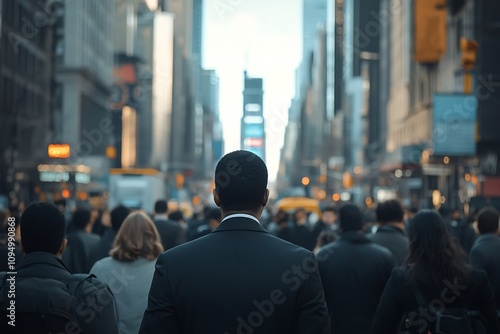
x=469, y=48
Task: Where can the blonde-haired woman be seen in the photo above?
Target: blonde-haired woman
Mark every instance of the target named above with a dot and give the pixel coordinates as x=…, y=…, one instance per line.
x=129, y=270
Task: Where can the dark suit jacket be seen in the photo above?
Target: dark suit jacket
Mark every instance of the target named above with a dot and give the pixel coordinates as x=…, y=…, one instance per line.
x=79, y=255
x=394, y=240
x=237, y=279
x=398, y=299
x=354, y=271
x=171, y=233
x=485, y=255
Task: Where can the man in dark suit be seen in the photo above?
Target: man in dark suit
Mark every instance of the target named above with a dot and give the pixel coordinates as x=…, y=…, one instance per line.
x=171, y=232
x=239, y=278
x=485, y=254
x=354, y=271
x=390, y=234
x=79, y=255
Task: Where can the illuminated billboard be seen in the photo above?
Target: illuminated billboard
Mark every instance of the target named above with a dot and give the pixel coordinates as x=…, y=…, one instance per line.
x=253, y=130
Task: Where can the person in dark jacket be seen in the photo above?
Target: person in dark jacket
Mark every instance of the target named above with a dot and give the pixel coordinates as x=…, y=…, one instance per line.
x=214, y=218
x=239, y=278
x=354, y=271
x=302, y=230
x=485, y=254
x=117, y=216
x=459, y=228
x=171, y=232
x=327, y=223
x=438, y=267
x=42, y=241
x=390, y=234
x=79, y=255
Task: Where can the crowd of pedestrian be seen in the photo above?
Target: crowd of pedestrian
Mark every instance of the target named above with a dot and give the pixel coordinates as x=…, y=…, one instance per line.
x=229, y=271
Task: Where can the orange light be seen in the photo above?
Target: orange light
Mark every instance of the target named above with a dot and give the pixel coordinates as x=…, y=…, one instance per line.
x=196, y=200
x=368, y=201
x=111, y=152
x=336, y=197
x=82, y=196
x=467, y=177
x=59, y=151
x=179, y=180
x=305, y=180
x=474, y=180
x=65, y=193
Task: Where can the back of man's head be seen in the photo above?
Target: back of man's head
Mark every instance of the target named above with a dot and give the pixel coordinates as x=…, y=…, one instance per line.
x=42, y=228
x=390, y=211
x=241, y=181
x=80, y=218
x=351, y=218
x=161, y=207
x=488, y=220
x=118, y=215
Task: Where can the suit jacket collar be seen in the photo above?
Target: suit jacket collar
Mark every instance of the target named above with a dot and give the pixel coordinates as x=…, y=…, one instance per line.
x=239, y=224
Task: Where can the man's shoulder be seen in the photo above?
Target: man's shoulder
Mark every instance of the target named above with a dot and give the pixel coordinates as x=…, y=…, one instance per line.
x=212, y=240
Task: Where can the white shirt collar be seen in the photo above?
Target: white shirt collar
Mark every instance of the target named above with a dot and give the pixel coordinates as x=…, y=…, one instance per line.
x=240, y=215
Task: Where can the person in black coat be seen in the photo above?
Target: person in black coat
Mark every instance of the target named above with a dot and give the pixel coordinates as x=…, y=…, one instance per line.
x=438, y=267
x=79, y=256
x=390, y=234
x=485, y=254
x=239, y=278
x=171, y=232
x=42, y=242
x=117, y=216
x=354, y=271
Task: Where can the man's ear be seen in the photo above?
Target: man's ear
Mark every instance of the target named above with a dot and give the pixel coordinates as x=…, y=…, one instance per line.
x=216, y=197
x=266, y=198
x=63, y=247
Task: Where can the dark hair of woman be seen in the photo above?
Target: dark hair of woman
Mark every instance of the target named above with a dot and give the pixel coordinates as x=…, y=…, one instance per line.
x=434, y=255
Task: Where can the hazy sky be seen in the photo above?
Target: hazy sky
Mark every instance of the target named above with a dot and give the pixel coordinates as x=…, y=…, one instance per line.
x=263, y=37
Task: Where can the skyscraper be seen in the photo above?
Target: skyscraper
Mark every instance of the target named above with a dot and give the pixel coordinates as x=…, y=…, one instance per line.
x=252, y=124
x=197, y=30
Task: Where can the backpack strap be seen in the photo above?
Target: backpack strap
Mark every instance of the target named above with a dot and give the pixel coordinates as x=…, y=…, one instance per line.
x=416, y=291
x=76, y=280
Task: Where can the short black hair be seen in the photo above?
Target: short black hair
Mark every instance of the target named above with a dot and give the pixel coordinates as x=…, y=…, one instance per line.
x=488, y=220
x=241, y=181
x=176, y=216
x=42, y=228
x=161, y=206
x=351, y=218
x=390, y=211
x=80, y=218
x=330, y=208
x=118, y=215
